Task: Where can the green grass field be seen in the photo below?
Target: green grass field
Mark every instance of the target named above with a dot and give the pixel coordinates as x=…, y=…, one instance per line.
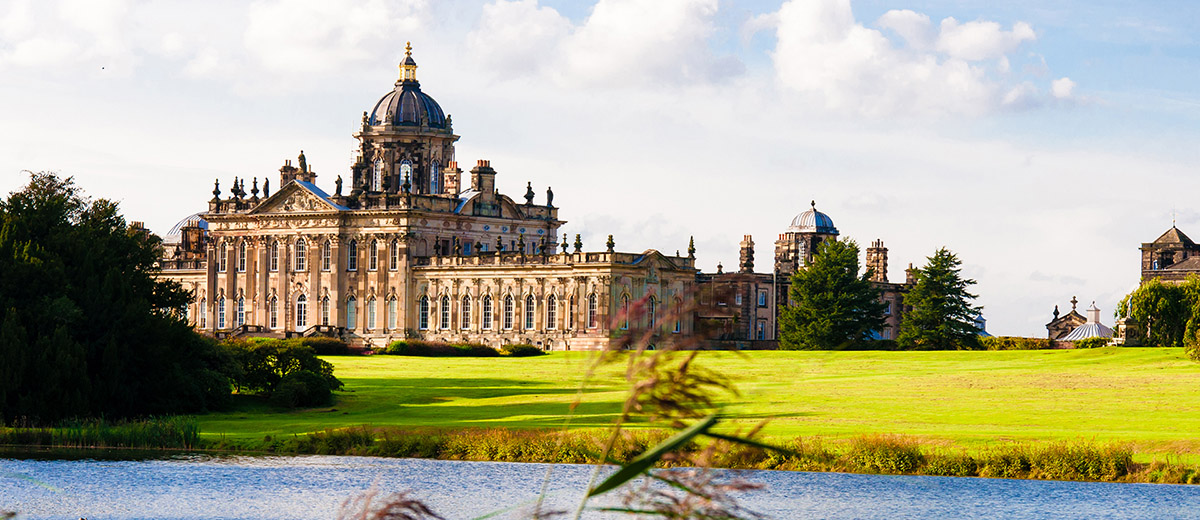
x=1146, y=397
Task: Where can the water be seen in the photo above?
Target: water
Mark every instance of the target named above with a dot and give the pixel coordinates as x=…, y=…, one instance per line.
x=315, y=486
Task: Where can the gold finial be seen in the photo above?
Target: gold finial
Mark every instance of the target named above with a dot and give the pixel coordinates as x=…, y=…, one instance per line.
x=407, y=49
x=408, y=67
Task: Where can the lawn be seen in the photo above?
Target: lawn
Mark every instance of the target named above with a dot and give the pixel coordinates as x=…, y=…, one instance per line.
x=1147, y=397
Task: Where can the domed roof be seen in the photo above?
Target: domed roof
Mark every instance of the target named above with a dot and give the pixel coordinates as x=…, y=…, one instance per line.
x=406, y=105
x=175, y=235
x=813, y=221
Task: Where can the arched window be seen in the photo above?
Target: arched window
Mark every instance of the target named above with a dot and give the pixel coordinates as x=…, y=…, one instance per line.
x=327, y=256
x=273, y=313
x=274, y=262
x=221, y=313
x=423, y=313
x=222, y=257
x=406, y=173
x=394, y=255
x=371, y=313
x=241, y=265
x=301, y=312
x=624, y=312
x=651, y=311
x=325, y=310
x=301, y=255
x=444, y=313
x=203, y=313
x=373, y=256
x=591, y=311
x=530, y=306
x=464, y=312
x=352, y=256
x=376, y=175
x=393, y=310
x=240, y=316
x=351, y=313
x=486, y=312
x=552, y=312
x=508, y=312
x=434, y=175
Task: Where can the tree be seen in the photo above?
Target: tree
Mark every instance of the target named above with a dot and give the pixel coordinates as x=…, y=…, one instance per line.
x=86, y=328
x=1161, y=314
x=832, y=306
x=942, y=317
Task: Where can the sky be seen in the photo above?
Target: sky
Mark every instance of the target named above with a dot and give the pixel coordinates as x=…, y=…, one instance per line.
x=1042, y=142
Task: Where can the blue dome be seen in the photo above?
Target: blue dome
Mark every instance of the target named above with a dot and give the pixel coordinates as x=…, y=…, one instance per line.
x=813, y=221
x=176, y=232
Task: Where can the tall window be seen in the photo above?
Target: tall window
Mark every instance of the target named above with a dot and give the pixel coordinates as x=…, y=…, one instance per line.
x=373, y=256
x=571, y=310
x=301, y=312
x=392, y=311
x=423, y=313
x=371, y=313
x=444, y=313
x=327, y=256
x=651, y=311
x=591, y=311
x=760, y=333
x=240, y=316
x=508, y=312
x=273, y=313
x=351, y=313
x=530, y=305
x=222, y=257
x=434, y=175
x=241, y=265
x=486, y=310
x=352, y=256
x=464, y=312
x=377, y=175
x=762, y=298
x=394, y=255
x=325, y=310
x=274, y=254
x=203, y=313
x=552, y=312
x=406, y=174
x=624, y=312
x=678, y=308
x=301, y=255
x=221, y=313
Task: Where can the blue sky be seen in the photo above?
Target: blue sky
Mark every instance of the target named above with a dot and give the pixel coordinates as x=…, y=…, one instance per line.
x=1042, y=142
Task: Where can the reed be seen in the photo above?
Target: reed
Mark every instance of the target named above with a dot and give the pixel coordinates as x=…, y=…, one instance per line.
x=169, y=432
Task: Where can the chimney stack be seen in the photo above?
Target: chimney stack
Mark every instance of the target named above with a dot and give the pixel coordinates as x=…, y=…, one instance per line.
x=746, y=258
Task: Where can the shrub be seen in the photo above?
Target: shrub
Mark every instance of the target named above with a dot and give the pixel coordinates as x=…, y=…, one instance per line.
x=521, y=350
x=951, y=465
x=302, y=388
x=885, y=454
x=329, y=347
x=1091, y=343
x=476, y=350
x=266, y=365
x=1016, y=343
x=417, y=347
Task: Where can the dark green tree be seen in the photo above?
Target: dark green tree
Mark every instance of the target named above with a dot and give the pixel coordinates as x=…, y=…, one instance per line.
x=942, y=317
x=86, y=328
x=832, y=306
x=1161, y=314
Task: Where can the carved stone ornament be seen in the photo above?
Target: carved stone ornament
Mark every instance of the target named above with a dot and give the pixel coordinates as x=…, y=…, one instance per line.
x=301, y=201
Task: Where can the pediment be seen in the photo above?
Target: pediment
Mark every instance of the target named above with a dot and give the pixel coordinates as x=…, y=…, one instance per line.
x=294, y=198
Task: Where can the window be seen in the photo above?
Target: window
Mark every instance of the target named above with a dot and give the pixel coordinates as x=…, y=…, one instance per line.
x=327, y=256
x=377, y=175
x=464, y=312
x=570, y=322
x=351, y=313
x=352, y=256
x=625, y=312
x=423, y=313
x=241, y=265
x=887, y=308
x=762, y=298
x=273, y=313
x=552, y=312
x=222, y=257
x=678, y=307
x=434, y=174
x=203, y=313
x=240, y=316
x=466, y=248
x=508, y=312
x=371, y=313
x=487, y=312
x=392, y=309
x=406, y=173
x=274, y=264
x=530, y=306
x=325, y=311
x=760, y=332
x=373, y=256
x=301, y=255
x=394, y=255
x=887, y=333
x=651, y=310
x=301, y=312
x=591, y=310
x=737, y=299
x=444, y=313
x=221, y=313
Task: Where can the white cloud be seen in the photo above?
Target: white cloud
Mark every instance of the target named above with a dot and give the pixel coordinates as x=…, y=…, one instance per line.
x=1062, y=88
x=981, y=40
x=41, y=52
x=518, y=37
x=915, y=28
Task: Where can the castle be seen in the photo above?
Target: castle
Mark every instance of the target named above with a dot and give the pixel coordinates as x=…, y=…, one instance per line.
x=416, y=247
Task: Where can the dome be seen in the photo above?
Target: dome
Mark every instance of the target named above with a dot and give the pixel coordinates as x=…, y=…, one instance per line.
x=175, y=235
x=406, y=105
x=813, y=221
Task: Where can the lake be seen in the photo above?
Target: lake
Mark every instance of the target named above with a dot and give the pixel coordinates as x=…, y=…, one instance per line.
x=315, y=486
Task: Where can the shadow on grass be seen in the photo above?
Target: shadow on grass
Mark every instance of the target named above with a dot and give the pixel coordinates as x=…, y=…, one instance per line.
x=429, y=390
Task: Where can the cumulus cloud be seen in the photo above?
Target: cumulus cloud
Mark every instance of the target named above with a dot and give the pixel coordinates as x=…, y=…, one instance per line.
x=1062, y=88
x=621, y=42
x=823, y=51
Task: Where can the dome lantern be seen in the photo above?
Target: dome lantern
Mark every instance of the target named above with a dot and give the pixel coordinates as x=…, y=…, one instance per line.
x=408, y=67
x=406, y=105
